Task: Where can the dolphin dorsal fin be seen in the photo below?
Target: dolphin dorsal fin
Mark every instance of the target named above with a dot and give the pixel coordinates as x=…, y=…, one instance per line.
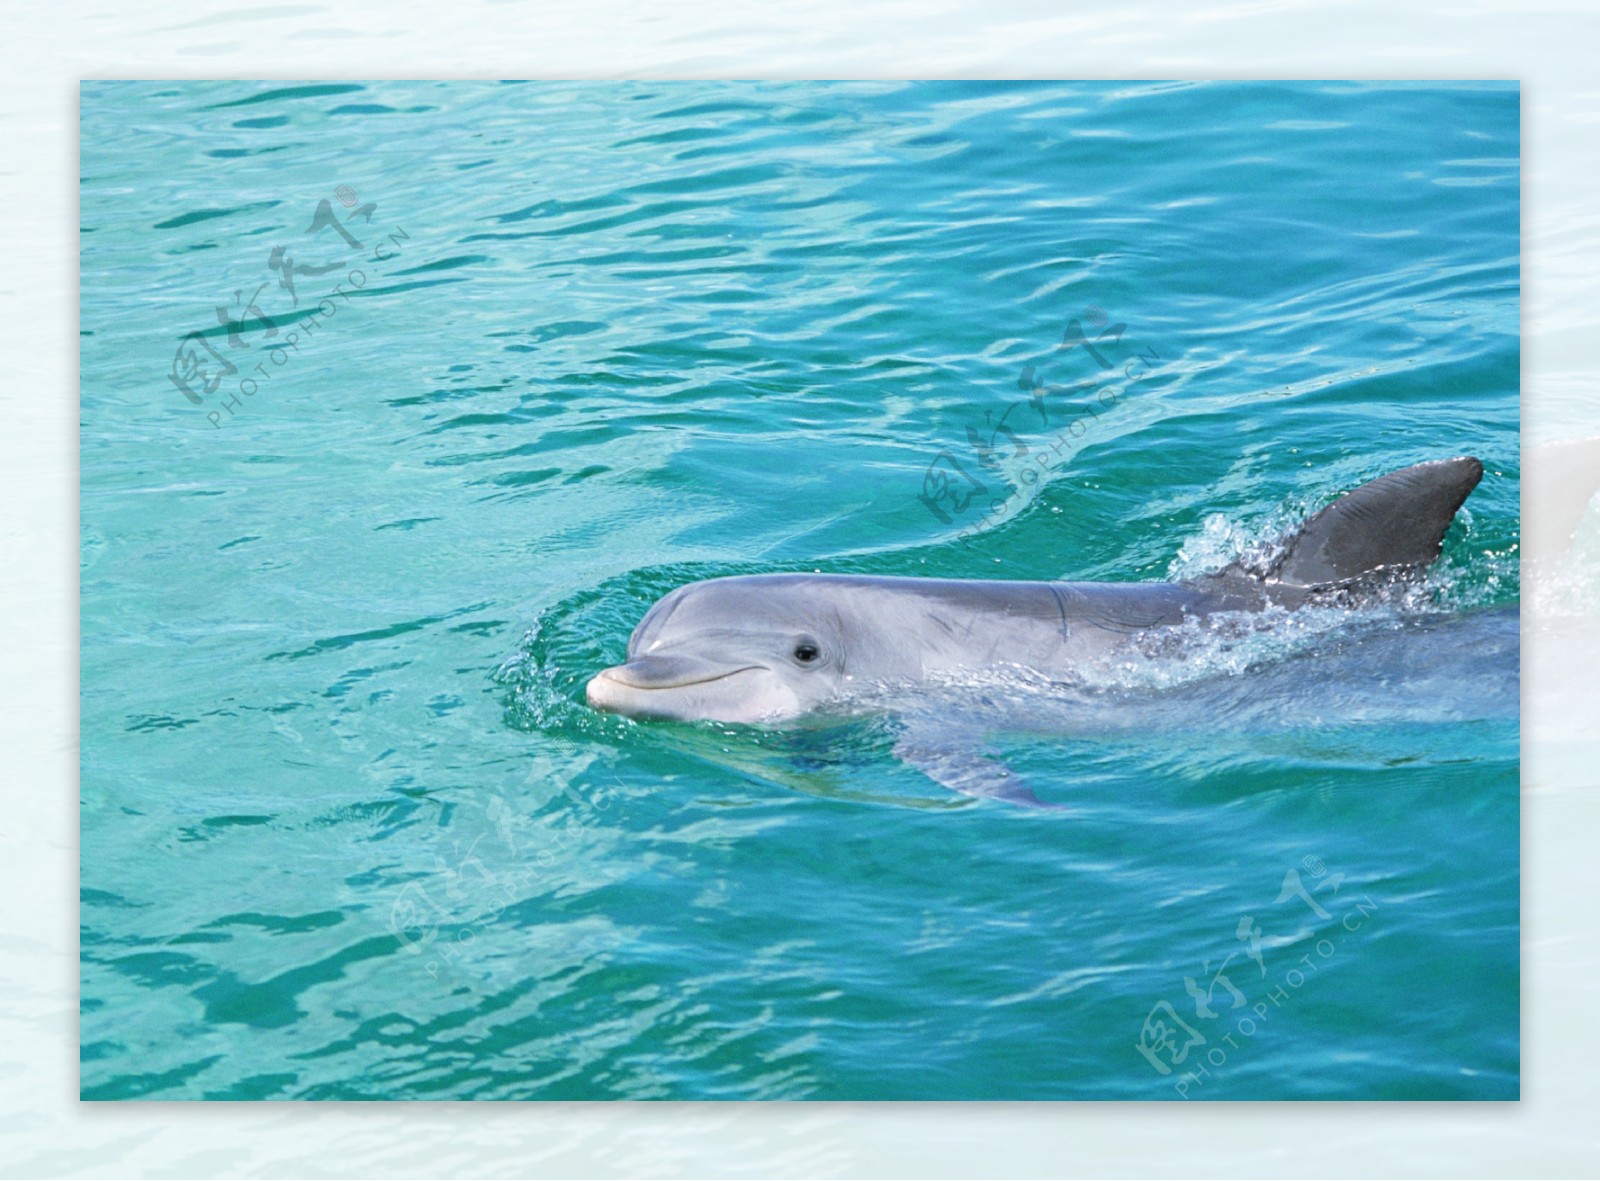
x=1397, y=521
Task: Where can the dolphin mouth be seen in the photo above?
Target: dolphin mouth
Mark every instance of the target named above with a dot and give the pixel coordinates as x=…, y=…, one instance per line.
x=669, y=672
x=614, y=689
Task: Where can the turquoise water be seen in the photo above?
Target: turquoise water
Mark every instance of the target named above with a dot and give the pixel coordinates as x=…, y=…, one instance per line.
x=348, y=831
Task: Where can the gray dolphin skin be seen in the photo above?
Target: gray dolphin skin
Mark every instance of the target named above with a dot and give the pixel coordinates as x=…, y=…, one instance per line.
x=772, y=647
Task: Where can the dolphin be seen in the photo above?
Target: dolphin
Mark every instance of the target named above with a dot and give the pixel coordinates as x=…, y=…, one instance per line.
x=771, y=648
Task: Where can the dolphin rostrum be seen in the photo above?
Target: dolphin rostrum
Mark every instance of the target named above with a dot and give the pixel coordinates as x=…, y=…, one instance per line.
x=771, y=647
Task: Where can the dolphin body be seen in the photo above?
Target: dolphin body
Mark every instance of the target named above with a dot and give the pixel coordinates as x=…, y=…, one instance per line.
x=771, y=648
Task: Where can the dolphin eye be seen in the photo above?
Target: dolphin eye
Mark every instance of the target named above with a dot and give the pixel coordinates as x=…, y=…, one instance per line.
x=806, y=652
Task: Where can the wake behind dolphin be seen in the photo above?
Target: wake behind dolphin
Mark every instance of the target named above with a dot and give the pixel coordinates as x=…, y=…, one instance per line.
x=769, y=648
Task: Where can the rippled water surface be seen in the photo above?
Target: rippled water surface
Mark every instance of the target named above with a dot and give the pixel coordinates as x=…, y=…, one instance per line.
x=483, y=370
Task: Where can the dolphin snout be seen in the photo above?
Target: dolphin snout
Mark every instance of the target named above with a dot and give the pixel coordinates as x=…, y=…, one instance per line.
x=669, y=672
x=614, y=688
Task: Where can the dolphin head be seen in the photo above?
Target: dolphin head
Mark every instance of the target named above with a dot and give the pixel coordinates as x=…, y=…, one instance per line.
x=752, y=649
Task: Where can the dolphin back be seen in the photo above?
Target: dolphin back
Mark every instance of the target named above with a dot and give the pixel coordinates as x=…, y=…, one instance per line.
x=1395, y=523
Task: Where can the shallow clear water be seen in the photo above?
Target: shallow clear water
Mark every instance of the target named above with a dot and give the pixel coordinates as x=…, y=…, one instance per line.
x=348, y=830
